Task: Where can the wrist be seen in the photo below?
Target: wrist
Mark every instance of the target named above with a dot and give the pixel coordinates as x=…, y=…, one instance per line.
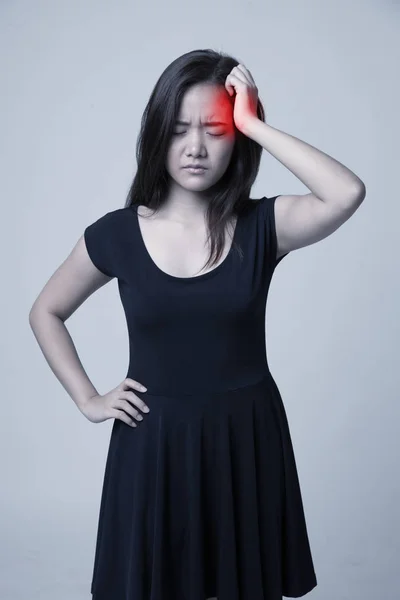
x=251, y=126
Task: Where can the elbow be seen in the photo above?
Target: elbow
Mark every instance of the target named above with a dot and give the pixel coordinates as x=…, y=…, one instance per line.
x=31, y=316
x=34, y=314
x=359, y=193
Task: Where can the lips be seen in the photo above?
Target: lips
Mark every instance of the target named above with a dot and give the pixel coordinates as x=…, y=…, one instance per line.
x=194, y=167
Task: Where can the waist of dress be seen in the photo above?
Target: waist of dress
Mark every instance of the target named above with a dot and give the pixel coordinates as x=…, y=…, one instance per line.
x=197, y=393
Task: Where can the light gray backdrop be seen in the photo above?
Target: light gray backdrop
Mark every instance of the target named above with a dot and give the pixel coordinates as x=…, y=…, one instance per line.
x=75, y=77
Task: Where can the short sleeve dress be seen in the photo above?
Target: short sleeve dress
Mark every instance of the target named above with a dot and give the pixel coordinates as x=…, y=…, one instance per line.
x=201, y=499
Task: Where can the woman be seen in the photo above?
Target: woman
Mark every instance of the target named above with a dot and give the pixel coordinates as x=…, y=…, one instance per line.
x=201, y=496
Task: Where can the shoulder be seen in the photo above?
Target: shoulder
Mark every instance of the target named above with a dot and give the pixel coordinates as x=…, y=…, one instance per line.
x=110, y=219
x=260, y=206
x=265, y=205
x=109, y=225
x=103, y=240
x=269, y=208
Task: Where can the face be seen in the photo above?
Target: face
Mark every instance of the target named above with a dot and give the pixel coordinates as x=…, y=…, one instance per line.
x=203, y=135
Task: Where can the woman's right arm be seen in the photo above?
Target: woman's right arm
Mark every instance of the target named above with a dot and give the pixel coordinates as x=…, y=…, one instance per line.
x=69, y=286
x=91, y=264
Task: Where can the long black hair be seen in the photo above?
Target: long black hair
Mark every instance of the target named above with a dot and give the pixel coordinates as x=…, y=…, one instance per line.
x=150, y=184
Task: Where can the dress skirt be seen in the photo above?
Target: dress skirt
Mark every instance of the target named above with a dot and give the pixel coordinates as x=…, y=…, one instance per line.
x=202, y=499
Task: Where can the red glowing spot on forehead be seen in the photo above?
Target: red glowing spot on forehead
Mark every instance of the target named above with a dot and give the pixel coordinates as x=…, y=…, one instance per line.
x=221, y=109
x=218, y=114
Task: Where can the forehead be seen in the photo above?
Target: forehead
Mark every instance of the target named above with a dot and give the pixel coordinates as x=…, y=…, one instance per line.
x=206, y=102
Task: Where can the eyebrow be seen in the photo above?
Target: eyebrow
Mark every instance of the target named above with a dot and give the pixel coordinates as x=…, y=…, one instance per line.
x=207, y=123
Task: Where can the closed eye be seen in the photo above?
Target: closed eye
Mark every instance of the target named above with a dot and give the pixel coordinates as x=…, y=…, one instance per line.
x=212, y=134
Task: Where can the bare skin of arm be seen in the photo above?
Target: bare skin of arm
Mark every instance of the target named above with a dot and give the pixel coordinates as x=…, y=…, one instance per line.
x=70, y=285
x=302, y=220
x=335, y=191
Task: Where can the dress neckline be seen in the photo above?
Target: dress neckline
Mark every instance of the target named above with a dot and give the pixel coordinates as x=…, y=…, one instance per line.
x=193, y=278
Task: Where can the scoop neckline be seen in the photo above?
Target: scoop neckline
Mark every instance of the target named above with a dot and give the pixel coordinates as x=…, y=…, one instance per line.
x=192, y=278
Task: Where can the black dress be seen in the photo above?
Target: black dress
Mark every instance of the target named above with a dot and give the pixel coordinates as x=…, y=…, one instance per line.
x=202, y=498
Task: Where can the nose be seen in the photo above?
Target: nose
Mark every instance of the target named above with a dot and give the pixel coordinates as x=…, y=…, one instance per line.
x=195, y=142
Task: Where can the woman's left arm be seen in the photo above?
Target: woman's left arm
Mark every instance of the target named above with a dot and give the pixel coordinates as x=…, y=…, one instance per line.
x=327, y=178
x=336, y=192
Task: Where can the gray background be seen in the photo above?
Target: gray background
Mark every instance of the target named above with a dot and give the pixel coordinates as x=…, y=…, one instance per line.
x=75, y=79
